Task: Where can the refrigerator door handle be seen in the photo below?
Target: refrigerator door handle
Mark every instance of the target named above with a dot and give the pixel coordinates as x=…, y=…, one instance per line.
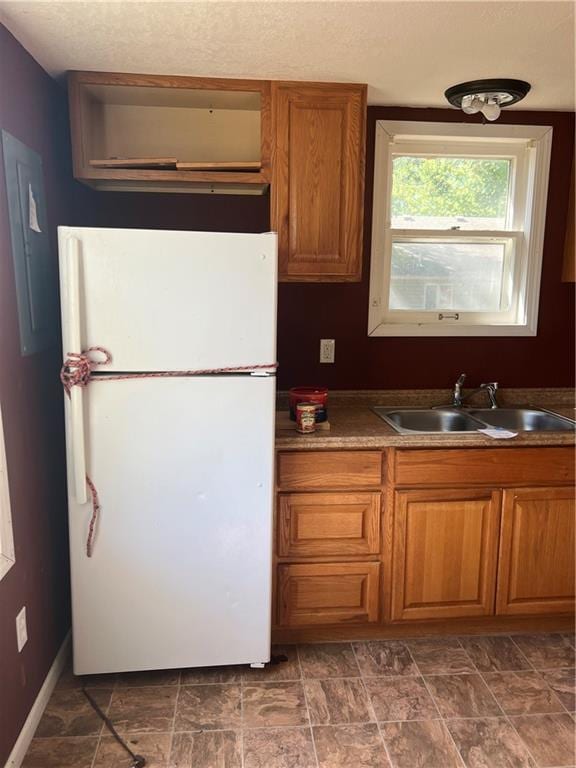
x=74, y=335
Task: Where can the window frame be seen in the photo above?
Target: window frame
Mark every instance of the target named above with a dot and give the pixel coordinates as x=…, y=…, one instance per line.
x=7, y=554
x=530, y=149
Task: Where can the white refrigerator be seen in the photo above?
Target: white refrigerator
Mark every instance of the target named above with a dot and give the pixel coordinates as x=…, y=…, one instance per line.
x=180, y=573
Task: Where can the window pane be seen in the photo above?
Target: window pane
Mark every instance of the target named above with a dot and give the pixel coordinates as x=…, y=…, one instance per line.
x=449, y=192
x=466, y=277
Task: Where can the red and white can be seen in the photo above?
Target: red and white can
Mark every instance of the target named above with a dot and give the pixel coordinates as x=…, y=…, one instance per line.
x=306, y=417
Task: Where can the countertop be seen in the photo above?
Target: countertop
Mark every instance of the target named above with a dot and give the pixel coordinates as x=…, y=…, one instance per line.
x=354, y=425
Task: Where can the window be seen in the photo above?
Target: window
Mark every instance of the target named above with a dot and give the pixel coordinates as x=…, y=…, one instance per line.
x=458, y=227
x=7, y=558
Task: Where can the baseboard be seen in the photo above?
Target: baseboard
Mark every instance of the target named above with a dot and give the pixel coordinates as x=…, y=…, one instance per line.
x=29, y=728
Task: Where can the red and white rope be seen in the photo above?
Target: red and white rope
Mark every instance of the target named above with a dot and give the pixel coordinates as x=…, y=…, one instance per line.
x=78, y=371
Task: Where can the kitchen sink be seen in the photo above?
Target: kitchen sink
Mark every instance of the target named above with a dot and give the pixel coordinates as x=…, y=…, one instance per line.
x=422, y=420
x=431, y=420
x=523, y=419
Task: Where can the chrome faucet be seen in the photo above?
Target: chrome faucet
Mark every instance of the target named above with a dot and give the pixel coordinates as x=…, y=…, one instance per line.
x=457, y=393
x=458, y=398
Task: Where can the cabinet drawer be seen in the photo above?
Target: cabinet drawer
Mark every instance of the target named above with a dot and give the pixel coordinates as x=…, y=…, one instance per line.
x=329, y=470
x=321, y=524
x=496, y=466
x=327, y=593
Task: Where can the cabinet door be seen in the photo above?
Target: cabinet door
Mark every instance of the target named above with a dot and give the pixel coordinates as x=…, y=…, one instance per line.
x=445, y=551
x=536, y=570
x=327, y=593
x=328, y=524
x=318, y=180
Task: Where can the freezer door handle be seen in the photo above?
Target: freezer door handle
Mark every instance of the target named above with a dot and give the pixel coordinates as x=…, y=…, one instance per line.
x=74, y=335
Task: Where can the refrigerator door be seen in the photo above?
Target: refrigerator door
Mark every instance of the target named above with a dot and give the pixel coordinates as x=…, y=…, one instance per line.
x=181, y=570
x=160, y=300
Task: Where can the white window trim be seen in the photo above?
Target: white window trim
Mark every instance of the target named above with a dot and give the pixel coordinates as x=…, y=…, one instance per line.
x=7, y=556
x=540, y=138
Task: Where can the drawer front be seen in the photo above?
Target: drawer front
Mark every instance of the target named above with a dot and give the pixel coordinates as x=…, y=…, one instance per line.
x=325, y=524
x=494, y=466
x=329, y=470
x=327, y=593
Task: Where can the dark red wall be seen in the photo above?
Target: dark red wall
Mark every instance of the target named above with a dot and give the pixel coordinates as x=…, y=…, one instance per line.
x=309, y=312
x=33, y=109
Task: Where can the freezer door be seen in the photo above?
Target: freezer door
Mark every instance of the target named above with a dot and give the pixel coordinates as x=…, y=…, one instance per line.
x=160, y=300
x=181, y=574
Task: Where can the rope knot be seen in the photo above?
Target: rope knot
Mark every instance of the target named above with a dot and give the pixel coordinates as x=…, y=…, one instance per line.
x=78, y=367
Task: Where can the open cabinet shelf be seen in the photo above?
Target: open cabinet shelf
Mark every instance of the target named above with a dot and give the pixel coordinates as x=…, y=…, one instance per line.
x=165, y=133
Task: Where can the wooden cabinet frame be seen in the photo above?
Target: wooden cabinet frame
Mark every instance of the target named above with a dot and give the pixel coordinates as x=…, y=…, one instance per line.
x=161, y=179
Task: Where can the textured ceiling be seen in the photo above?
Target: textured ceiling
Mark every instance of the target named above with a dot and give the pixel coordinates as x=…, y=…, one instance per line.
x=408, y=52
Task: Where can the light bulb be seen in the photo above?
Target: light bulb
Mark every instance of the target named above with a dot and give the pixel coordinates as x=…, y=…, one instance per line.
x=471, y=104
x=491, y=110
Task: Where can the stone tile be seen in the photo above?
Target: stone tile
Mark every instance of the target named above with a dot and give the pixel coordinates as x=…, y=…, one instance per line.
x=522, y=693
x=489, y=743
x=494, y=654
x=205, y=675
x=350, y=746
x=279, y=748
x=550, y=738
x=462, y=696
x=69, y=680
x=337, y=701
x=155, y=747
x=153, y=677
x=71, y=752
x=328, y=660
x=439, y=655
x=546, y=651
x=401, y=698
x=210, y=707
x=273, y=704
x=379, y=658
x=143, y=709
x=425, y=744
x=283, y=670
x=562, y=682
x=211, y=749
x=69, y=713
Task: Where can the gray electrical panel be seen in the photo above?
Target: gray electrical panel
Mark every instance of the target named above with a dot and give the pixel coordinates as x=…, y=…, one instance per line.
x=34, y=267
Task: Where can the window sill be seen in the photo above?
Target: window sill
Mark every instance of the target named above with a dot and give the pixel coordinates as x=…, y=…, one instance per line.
x=413, y=329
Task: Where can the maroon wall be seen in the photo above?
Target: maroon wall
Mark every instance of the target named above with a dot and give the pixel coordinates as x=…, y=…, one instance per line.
x=309, y=312
x=33, y=109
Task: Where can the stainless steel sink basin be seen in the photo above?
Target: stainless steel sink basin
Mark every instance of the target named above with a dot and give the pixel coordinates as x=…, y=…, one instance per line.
x=421, y=420
x=524, y=419
x=408, y=421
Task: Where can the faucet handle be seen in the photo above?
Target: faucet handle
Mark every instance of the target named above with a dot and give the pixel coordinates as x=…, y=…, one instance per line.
x=492, y=384
x=461, y=379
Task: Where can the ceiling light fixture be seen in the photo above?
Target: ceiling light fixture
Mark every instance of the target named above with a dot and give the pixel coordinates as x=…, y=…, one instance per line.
x=487, y=96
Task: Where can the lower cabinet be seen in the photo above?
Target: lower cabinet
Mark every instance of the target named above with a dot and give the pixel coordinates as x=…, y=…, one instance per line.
x=328, y=593
x=445, y=553
x=536, y=568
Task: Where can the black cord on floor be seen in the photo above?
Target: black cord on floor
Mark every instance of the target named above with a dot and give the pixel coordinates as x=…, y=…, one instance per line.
x=138, y=760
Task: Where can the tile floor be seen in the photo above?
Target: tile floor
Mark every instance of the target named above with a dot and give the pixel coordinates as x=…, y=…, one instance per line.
x=469, y=702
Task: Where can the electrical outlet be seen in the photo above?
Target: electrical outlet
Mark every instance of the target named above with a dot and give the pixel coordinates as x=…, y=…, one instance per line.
x=21, y=630
x=327, y=348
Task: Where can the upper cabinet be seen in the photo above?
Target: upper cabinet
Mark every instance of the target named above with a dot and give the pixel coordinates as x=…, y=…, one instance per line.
x=306, y=141
x=164, y=133
x=318, y=180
